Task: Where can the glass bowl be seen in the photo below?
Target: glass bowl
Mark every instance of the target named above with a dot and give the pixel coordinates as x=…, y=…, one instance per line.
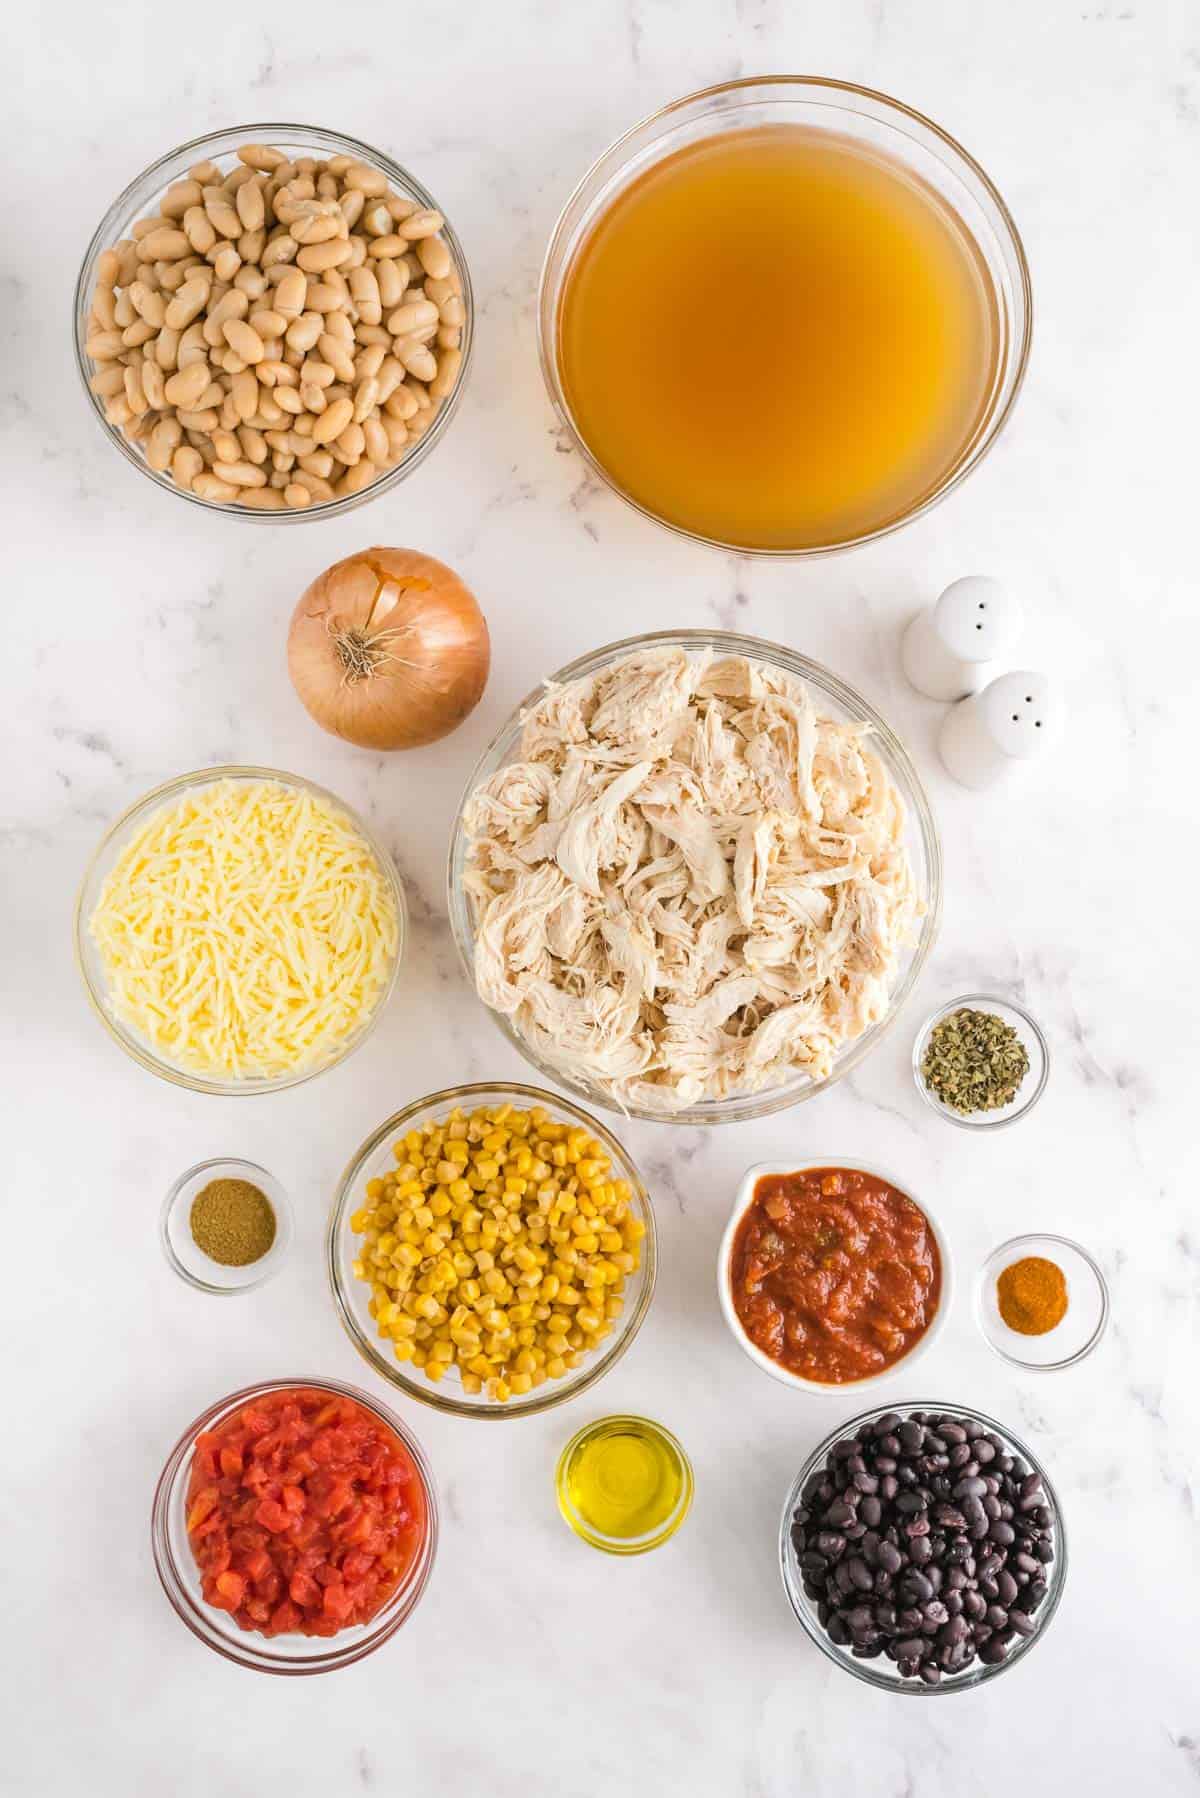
x=881, y=1672
x=1083, y=1324
x=744, y=1198
x=1030, y=1089
x=641, y=1429
x=91, y=966
x=184, y=1255
x=871, y=120
x=180, y=1577
x=351, y=1296
x=141, y=197
x=838, y=699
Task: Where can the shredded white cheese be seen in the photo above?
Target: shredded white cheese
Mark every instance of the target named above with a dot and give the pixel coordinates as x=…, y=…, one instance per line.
x=246, y=931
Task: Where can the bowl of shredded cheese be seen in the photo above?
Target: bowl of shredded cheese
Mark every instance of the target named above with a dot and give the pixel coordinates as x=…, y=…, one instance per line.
x=239, y=930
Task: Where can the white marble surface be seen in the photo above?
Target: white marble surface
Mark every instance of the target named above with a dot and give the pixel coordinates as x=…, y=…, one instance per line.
x=142, y=639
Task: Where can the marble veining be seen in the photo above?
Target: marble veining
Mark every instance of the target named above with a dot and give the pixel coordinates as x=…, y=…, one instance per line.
x=144, y=638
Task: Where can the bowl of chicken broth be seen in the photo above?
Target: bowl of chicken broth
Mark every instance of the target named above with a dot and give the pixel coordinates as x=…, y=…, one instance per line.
x=785, y=315
x=694, y=878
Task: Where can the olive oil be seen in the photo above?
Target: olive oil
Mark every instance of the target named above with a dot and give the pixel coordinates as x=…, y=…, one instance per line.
x=624, y=1484
x=778, y=338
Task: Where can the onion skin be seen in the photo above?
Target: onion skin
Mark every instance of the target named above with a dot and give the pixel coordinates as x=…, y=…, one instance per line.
x=388, y=649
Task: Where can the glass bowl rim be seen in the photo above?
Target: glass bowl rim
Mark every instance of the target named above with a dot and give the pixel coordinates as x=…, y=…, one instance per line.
x=247, y=1653
x=951, y=151
x=277, y=1197
x=985, y=1120
x=980, y=1672
x=161, y=795
x=223, y=142
x=1085, y=1255
x=735, y=1109
x=616, y=1545
x=555, y=1392
x=743, y=1198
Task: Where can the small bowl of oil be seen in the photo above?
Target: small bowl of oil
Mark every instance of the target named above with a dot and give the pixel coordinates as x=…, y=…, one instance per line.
x=624, y=1484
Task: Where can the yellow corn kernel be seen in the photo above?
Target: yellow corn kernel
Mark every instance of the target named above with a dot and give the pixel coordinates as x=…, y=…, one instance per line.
x=520, y=1382
x=556, y=1367
x=403, y=1350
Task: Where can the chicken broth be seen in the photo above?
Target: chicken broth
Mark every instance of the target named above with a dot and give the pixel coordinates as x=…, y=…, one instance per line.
x=779, y=339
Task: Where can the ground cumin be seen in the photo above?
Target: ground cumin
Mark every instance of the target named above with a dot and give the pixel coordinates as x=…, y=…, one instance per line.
x=1032, y=1295
x=233, y=1222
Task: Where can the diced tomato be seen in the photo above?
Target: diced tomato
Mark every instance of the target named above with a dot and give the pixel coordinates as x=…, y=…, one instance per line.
x=304, y=1514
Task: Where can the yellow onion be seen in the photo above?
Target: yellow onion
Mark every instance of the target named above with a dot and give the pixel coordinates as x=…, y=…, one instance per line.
x=388, y=649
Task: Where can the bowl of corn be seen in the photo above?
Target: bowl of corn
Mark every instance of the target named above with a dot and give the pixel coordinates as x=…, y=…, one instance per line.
x=491, y=1250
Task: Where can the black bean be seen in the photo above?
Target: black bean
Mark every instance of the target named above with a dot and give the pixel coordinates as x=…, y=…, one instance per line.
x=1045, y=1552
x=884, y=1425
x=951, y=1431
x=860, y=1574
x=1023, y=1624
x=920, y=1550
x=960, y=1454
x=890, y=1557
x=909, y=1504
x=911, y=1647
x=1006, y=1586
x=907, y=1475
x=868, y=1651
x=847, y=1446
x=854, y=1463
x=935, y=1613
x=989, y=1588
x=859, y=1619
x=831, y=1544
x=888, y=1487
x=991, y=1653
x=1027, y=1564
x=984, y=1452
x=838, y=1631
x=997, y=1616
x=991, y=1505
x=885, y=1463
x=1031, y=1483
x=911, y=1435
x=811, y=1489
x=885, y=1617
x=909, y=1620
x=930, y=1673
x=866, y=1482
x=1000, y=1532
x=974, y=1604
x=839, y=1514
x=870, y=1511
x=970, y=1487
x=918, y=1584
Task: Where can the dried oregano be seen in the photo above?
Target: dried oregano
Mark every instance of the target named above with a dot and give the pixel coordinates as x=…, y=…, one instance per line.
x=974, y=1061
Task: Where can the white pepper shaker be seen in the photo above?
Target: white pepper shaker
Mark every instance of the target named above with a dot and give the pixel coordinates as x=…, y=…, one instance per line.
x=990, y=734
x=946, y=648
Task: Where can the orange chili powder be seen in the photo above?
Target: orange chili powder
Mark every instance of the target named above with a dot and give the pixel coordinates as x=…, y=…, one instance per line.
x=1032, y=1295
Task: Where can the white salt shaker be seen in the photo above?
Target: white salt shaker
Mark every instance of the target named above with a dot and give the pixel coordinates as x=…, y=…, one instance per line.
x=990, y=734
x=946, y=648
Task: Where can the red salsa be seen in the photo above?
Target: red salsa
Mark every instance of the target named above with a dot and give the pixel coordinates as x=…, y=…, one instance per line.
x=835, y=1274
x=304, y=1513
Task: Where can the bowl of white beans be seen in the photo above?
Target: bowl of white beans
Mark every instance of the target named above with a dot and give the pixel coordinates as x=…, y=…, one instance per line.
x=274, y=321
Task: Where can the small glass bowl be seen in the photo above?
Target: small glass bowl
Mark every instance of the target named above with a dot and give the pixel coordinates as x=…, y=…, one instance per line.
x=180, y=1577
x=587, y=1531
x=351, y=1296
x=1030, y=1089
x=869, y=119
x=883, y=1673
x=183, y=1253
x=1084, y=1321
x=837, y=699
x=91, y=965
x=141, y=197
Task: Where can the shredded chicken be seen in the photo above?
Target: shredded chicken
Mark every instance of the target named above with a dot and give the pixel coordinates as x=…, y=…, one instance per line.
x=689, y=884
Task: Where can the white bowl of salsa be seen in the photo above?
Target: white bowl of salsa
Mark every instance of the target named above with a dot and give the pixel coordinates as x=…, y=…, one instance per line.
x=831, y=1275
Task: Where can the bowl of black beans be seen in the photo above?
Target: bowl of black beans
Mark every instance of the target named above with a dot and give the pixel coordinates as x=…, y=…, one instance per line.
x=923, y=1549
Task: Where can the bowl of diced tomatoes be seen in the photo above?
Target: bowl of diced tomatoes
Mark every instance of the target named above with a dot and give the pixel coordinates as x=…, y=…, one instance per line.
x=295, y=1526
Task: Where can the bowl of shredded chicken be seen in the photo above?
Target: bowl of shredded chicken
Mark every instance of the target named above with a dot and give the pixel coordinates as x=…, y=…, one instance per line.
x=694, y=877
